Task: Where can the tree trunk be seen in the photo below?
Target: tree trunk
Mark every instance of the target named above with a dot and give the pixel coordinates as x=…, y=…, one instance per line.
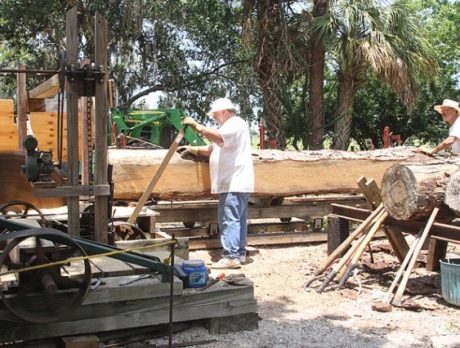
x=411, y=191
x=268, y=24
x=316, y=94
x=344, y=112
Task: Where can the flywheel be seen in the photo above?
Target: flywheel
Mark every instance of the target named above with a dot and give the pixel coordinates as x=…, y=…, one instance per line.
x=44, y=274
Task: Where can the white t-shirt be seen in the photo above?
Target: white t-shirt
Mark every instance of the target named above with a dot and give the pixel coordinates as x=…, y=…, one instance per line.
x=454, y=130
x=231, y=167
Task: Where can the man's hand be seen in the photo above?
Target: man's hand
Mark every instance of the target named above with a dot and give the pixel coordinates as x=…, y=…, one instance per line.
x=426, y=150
x=188, y=152
x=188, y=121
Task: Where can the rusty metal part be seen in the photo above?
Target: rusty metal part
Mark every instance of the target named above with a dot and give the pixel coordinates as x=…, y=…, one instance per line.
x=47, y=294
x=22, y=209
x=126, y=231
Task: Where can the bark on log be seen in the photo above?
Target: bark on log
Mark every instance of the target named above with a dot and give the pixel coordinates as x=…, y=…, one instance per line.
x=278, y=173
x=410, y=191
x=452, y=198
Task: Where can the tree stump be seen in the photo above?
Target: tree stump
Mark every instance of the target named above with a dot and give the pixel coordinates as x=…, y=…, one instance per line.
x=410, y=191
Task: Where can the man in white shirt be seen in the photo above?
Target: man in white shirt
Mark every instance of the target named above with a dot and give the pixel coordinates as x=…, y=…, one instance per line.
x=450, y=111
x=232, y=176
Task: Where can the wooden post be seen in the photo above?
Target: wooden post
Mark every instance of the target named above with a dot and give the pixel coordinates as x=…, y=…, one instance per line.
x=436, y=251
x=338, y=230
x=22, y=105
x=101, y=211
x=73, y=224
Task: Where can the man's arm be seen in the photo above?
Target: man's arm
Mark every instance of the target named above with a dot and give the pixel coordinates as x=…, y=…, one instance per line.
x=213, y=135
x=203, y=150
x=448, y=142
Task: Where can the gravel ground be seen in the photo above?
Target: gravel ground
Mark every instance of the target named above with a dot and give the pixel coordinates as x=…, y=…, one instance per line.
x=293, y=317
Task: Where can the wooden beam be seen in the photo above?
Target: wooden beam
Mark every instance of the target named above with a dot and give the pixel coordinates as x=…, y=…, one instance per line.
x=101, y=168
x=22, y=107
x=439, y=231
x=73, y=224
x=47, y=89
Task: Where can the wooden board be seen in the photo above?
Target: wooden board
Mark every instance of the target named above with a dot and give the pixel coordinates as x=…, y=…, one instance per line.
x=277, y=173
x=44, y=126
x=147, y=303
x=8, y=130
x=47, y=89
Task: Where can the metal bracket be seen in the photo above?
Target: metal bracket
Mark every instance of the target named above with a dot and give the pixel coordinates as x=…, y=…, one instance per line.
x=83, y=80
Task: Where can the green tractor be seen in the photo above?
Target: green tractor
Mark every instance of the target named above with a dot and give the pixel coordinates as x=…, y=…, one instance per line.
x=150, y=128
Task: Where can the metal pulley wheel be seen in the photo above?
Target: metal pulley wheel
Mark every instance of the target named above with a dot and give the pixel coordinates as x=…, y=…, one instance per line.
x=126, y=231
x=21, y=209
x=46, y=294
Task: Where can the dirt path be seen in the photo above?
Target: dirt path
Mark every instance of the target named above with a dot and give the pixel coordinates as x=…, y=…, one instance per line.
x=292, y=317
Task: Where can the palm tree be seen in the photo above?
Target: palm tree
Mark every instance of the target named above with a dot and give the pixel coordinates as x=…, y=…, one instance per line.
x=364, y=36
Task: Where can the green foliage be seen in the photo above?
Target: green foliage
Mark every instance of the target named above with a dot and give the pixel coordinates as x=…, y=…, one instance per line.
x=194, y=51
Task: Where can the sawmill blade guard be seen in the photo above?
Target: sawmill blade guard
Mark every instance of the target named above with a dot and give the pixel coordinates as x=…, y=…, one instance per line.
x=46, y=294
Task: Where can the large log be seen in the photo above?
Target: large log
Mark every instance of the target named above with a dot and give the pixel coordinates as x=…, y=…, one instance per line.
x=410, y=191
x=277, y=173
x=452, y=198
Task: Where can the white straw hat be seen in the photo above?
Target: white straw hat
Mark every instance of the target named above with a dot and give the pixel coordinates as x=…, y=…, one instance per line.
x=221, y=104
x=447, y=103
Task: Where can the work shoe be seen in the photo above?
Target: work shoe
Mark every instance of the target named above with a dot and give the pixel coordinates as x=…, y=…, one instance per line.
x=226, y=263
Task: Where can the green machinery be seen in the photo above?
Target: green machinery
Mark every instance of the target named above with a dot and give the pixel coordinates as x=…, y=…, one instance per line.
x=158, y=127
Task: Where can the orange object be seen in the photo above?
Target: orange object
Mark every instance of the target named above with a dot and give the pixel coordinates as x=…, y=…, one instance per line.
x=390, y=139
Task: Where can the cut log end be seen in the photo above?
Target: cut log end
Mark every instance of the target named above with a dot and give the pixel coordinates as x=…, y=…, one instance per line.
x=399, y=192
x=411, y=191
x=452, y=198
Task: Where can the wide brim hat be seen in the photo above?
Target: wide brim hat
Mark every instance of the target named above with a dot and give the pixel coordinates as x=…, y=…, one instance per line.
x=221, y=104
x=447, y=103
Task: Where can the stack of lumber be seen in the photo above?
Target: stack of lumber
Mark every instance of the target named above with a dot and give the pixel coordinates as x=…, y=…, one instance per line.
x=8, y=131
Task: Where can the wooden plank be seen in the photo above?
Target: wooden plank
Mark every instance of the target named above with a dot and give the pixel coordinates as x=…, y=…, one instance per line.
x=22, y=105
x=370, y=190
x=114, y=290
x=291, y=207
x=47, y=89
x=73, y=224
x=44, y=126
x=277, y=173
x=263, y=239
x=8, y=131
x=101, y=171
x=219, y=301
x=73, y=191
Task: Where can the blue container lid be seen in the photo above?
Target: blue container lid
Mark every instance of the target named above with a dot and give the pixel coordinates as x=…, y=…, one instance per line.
x=193, y=263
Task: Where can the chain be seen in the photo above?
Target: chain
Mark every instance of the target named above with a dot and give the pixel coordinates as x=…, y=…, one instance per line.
x=89, y=140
